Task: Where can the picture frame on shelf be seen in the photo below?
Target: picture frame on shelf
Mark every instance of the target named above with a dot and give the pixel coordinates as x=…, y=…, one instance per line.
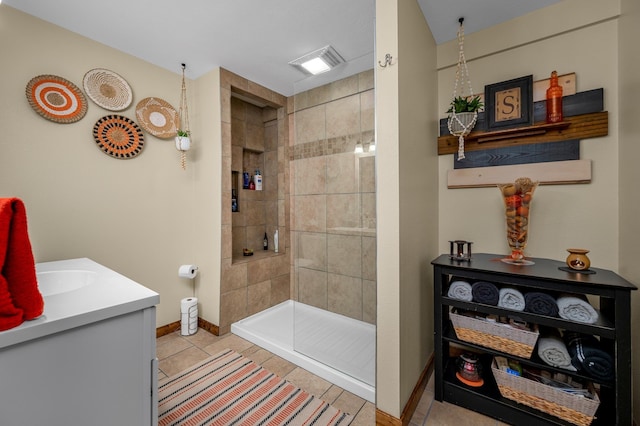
x=509, y=104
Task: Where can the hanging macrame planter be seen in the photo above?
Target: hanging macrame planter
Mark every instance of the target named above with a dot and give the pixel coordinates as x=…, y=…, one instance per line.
x=183, y=140
x=463, y=113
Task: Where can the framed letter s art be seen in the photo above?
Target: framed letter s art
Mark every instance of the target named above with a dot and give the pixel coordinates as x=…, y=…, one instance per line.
x=509, y=103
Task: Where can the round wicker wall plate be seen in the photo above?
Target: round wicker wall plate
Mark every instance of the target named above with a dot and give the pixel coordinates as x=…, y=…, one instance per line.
x=107, y=89
x=56, y=99
x=157, y=117
x=118, y=136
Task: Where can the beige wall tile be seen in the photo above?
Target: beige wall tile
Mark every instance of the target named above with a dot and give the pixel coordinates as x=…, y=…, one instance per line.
x=225, y=105
x=254, y=213
x=312, y=287
x=342, y=174
x=344, y=254
x=255, y=236
x=226, y=139
x=309, y=213
x=343, y=117
x=227, y=241
x=236, y=158
x=270, y=165
x=368, y=210
x=234, y=276
x=271, y=214
x=312, y=250
x=271, y=136
x=239, y=240
x=343, y=211
x=269, y=114
x=233, y=306
x=254, y=136
x=369, y=302
x=366, y=80
x=238, y=109
x=369, y=258
x=309, y=125
x=309, y=175
x=259, y=270
x=238, y=133
x=280, y=265
x=280, y=289
x=344, y=87
x=319, y=95
x=344, y=295
x=367, y=173
x=258, y=297
x=254, y=114
x=367, y=110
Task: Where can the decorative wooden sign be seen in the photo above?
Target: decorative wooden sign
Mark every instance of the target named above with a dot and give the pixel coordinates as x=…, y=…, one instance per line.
x=553, y=173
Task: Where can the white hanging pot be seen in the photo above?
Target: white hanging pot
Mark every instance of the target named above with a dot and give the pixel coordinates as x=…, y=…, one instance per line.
x=183, y=143
x=462, y=123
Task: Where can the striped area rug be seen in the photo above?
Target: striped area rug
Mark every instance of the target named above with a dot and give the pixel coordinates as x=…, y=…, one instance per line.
x=229, y=389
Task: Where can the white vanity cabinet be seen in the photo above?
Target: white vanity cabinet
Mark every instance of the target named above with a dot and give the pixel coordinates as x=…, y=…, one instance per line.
x=93, y=365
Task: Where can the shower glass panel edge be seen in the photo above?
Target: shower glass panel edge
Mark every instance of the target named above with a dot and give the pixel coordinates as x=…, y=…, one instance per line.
x=333, y=232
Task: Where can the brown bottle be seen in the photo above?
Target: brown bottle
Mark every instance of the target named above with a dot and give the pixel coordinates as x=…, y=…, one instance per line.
x=554, y=100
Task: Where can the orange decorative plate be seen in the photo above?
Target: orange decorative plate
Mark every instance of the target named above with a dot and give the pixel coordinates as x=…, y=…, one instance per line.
x=157, y=117
x=56, y=99
x=118, y=136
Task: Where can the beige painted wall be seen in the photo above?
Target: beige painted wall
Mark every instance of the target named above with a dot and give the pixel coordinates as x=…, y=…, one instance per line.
x=592, y=39
x=136, y=216
x=629, y=172
x=407, y=187
x=562, y=216
x=388, y=353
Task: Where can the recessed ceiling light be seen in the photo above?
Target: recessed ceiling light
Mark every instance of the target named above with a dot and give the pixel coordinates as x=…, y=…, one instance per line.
x=318, y=61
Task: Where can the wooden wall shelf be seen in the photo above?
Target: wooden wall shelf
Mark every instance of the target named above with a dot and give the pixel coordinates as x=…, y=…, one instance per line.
x=583, y=126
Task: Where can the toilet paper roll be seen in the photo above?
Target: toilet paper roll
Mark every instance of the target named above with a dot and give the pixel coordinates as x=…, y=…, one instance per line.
x=187, y=303
x=188, y=271
x=188, y=316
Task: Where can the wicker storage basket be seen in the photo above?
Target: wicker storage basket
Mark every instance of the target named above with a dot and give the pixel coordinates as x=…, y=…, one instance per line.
x=494, y=335
x=572, y=408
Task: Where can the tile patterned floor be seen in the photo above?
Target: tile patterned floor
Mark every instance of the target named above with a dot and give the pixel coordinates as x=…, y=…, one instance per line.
x=176, y=353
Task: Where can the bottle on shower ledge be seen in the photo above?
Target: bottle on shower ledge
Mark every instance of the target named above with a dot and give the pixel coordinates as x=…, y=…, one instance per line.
x=275, y=241
x=265, y=242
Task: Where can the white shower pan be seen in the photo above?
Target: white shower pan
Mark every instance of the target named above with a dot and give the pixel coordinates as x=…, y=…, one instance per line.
x=339, y=349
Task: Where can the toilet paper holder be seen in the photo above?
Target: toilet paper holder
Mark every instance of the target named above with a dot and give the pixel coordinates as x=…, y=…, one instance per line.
x=188, y=271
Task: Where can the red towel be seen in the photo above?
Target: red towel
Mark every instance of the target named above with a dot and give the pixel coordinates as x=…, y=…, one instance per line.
x=18, y=283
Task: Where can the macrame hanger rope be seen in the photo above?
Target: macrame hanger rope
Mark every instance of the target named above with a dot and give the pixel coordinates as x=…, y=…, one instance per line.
x=184, y=117
x=462, y=73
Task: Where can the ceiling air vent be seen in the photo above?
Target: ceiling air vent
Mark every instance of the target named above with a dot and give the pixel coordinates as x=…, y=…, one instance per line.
x=318, y=61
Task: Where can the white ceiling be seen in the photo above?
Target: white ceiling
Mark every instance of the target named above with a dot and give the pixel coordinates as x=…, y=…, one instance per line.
x=256, y=38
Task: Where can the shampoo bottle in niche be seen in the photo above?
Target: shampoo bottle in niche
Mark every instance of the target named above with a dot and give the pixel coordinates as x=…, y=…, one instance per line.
x=275, y=241
x=265, y=242
x=258, y=179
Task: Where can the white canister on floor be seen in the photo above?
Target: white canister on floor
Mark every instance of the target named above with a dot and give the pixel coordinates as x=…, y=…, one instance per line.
x=189, y=316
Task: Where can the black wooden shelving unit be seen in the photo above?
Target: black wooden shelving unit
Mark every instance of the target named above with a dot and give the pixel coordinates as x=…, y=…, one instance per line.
x=613, y=329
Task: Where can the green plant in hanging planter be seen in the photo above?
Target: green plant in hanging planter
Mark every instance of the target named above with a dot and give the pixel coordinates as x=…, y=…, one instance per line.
x=183, y=133
x=461, y=104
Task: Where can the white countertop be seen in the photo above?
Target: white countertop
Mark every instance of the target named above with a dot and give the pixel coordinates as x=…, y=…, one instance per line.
x=112, y=294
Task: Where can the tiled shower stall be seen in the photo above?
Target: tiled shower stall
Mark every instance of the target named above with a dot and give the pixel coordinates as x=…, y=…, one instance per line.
x=318, y=193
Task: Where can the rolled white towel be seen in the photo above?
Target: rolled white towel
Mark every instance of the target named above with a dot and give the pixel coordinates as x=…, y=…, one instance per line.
x=553, y=351
x=460, y=290
x=511, y=298
x=576, y=308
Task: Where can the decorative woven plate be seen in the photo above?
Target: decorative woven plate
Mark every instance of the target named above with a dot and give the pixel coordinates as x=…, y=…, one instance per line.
x=157, y=117
x=56, y=99
x=118, y=136
x=107, y=89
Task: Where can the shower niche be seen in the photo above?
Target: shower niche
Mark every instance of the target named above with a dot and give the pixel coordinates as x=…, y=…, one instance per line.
x=254, y=150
